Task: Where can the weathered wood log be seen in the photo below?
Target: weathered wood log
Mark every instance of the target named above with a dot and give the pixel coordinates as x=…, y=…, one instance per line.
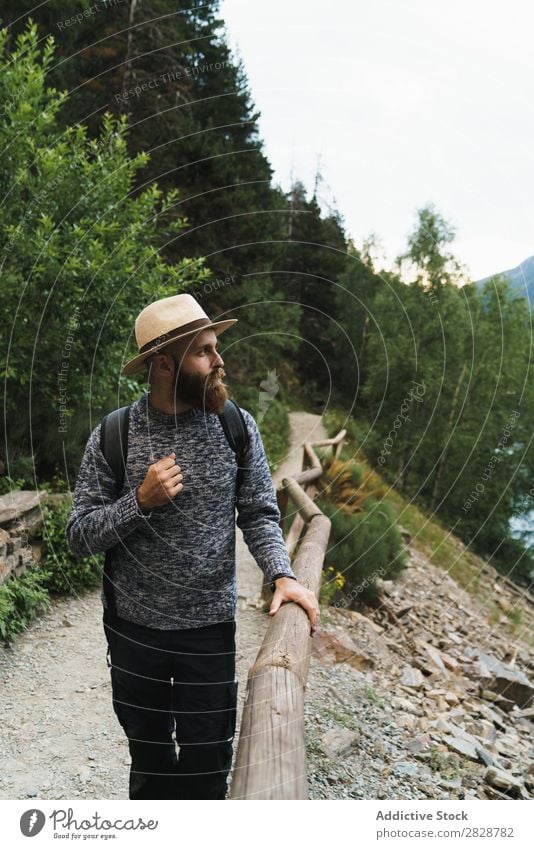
x=294, y=533
x=271, y=753
x=270, y=760
x=303, y=502
x=333, y=441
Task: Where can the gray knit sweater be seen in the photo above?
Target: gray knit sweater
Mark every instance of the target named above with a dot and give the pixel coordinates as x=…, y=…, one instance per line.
x=174, y=567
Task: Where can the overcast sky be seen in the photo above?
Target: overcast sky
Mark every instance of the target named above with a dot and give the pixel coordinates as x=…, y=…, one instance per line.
x=405, y=103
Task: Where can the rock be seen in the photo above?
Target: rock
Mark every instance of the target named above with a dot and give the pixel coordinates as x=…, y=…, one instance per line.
x=451, y=783
x=494, y=717
x=502, y=780
x=359, y=618
x=412, y=677
x=406, y=720
x=338, y=741
x=84, y=774
x=31, y=792
x=450, y=662
x=406, y=705
x=482, y=728
x=434, y=655
x=337, y=647
x=505, y=704
x=508, y=681
x=418, y=745
x=488, y=695
x=405, y=768
x=15, y=504
x=508, y=744
x=462, y=747
x=21, y=514
x=484, y=756
x=406, y=535
x=528, y=713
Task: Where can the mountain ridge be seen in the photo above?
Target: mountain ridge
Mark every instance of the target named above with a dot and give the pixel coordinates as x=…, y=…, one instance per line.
x=521, y=279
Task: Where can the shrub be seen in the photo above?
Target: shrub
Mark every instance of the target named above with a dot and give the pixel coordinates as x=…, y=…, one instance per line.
x=364, y=543
x=363, y=548
x=66, y=573
x=21, y=600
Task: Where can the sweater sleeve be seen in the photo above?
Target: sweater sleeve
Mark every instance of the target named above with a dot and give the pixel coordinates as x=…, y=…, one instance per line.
x=98, y=519
x=258, y=512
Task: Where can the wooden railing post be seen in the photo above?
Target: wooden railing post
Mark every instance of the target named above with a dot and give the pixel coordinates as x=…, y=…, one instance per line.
x=271, y=754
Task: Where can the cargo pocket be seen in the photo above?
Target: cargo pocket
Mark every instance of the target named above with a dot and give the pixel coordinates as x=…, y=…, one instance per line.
x=205, y=713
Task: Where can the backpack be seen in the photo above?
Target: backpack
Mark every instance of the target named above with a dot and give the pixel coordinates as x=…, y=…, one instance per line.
x=114, y=447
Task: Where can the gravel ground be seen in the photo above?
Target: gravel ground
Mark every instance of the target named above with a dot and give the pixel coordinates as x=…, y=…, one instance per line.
x=365, y=732
x=61, y=739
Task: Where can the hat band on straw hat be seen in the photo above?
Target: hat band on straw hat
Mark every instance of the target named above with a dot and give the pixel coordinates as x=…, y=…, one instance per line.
x=173, y=334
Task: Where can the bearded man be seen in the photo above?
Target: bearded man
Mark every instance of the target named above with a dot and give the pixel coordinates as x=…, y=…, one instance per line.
x=171, y=526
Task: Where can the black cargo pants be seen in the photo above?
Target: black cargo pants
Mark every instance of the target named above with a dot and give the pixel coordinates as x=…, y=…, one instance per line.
x=175, y=682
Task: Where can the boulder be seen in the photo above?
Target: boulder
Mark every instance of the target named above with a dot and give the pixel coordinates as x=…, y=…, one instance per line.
x=412, y=677
x=509, y=681
x=337, y=647
x=338, y=741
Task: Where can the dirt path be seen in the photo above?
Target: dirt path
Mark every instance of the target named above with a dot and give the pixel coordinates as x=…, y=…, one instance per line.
x=60, y=738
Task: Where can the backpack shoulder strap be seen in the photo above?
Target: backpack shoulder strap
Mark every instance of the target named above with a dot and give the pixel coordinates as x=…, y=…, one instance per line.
x=236, y=432
x=114, y=442
x=114, y=447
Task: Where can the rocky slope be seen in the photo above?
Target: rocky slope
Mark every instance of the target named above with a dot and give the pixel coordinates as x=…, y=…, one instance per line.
x=433, y=702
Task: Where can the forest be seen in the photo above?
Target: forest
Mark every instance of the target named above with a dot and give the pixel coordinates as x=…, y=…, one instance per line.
x=131, y=169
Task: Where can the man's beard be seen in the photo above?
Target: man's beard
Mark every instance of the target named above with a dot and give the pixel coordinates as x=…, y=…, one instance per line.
x=207, y=393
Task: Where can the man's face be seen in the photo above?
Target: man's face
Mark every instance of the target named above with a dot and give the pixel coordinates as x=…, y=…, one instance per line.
x=198, y=373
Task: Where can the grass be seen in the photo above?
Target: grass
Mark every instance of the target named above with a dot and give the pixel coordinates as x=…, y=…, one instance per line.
x=448, y=765
x=344, y=719
x=436, y=543
x=373, y=697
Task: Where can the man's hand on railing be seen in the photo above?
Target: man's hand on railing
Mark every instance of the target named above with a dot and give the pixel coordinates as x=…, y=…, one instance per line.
x=287, y=589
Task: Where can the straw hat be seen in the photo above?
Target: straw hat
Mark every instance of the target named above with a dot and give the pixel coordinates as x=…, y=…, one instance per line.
x=166, y=320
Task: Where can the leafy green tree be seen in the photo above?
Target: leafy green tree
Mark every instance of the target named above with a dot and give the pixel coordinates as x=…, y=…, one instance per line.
x=313, y=258
x=487, y=481
x=80, y=258
x=427, y=250
x=355, y=317
x=462, y=444
x=168, y=67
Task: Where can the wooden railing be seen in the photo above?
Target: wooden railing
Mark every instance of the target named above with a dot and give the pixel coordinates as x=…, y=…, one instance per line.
x=271, y=756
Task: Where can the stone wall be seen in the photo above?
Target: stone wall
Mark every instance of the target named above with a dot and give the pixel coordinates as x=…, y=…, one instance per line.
x=21, y=522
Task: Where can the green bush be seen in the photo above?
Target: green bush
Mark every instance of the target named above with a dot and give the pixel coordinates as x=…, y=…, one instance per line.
x=21, y=600
x=74, y=236
x=362, y=548
x=66, y=574
x=60, y=572
x=8, y=484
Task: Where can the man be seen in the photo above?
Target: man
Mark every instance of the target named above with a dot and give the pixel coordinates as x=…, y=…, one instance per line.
x=171, y=625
